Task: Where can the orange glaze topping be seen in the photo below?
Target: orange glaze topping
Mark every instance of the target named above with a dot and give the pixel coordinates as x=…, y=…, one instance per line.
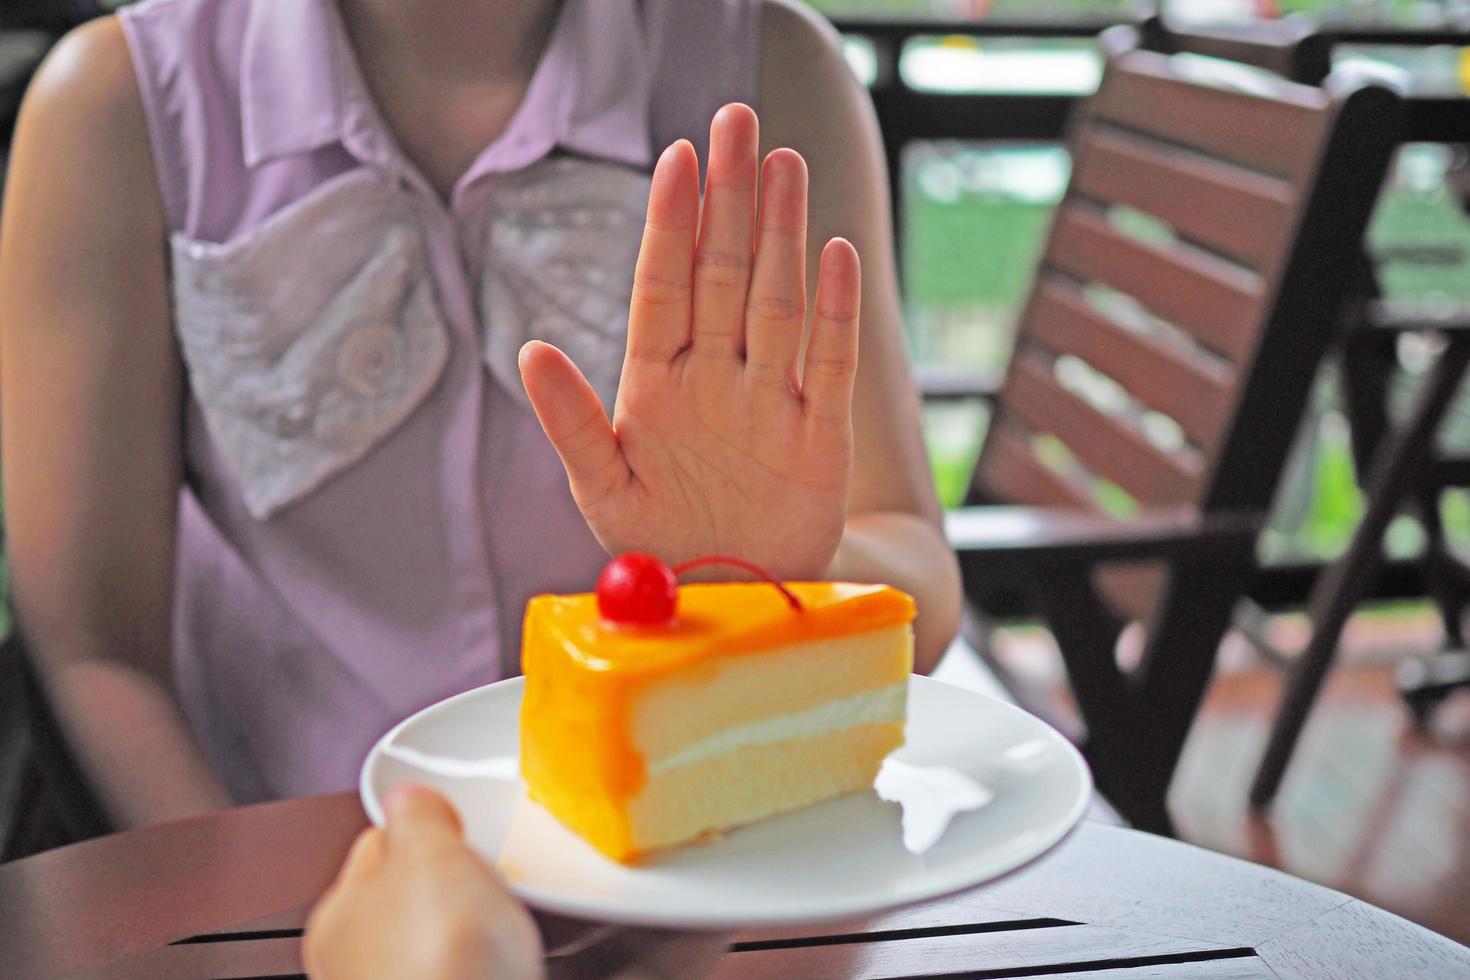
x=581, y=673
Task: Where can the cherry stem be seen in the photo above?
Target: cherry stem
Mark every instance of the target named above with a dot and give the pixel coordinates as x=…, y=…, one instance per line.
x=748, y=566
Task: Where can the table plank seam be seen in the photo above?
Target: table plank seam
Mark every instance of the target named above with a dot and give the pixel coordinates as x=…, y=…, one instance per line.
x=1092, y=966
x=1005, y=973
x=889, y=935
x=246, y=936
x=1079, y=966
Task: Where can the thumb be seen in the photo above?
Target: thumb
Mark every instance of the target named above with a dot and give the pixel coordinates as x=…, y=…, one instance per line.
x=419, y=817
x=363, y=858
x=573, y=419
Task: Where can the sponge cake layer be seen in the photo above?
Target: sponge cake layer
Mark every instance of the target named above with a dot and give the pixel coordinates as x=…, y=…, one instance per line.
x=643, y=737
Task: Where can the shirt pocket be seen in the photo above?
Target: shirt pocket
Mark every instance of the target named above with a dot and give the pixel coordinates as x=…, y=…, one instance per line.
x=311, y=337
x=561, y=243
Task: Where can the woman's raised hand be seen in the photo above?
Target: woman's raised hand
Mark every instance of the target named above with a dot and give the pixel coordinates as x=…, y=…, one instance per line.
x=725, y=439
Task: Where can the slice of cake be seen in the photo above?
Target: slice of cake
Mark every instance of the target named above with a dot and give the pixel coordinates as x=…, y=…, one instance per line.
x=737, y=706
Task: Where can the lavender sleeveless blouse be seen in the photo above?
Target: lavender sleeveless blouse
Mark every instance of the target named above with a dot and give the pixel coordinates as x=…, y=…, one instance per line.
x=369, y=499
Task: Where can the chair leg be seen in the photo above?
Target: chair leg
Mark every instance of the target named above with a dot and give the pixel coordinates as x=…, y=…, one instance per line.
x=1443, y=576
x=1170, y=682
x=1368, y=362
x=1086, y=633
x=1453, y=593
x=1136, y=793
x=1304, y=679
x=1424, y=684
x=1344, y=583
x=1137, y=724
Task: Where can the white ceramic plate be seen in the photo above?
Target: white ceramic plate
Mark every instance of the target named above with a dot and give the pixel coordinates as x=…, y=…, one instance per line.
x=839, y=859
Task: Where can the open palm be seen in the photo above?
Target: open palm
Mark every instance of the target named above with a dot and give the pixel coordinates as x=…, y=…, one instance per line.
x=723, y=441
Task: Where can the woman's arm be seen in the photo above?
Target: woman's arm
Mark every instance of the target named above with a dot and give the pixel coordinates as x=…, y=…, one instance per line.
x=90, y=427
x=810, y=102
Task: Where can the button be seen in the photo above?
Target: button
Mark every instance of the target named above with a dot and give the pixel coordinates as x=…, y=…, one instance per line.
x=368, y=359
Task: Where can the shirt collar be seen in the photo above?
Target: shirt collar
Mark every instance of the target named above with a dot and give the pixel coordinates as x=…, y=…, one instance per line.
x=300, y=88
x=289, y=97
x=609, y=81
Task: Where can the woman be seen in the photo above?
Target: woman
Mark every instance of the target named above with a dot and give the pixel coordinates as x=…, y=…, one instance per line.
x=273, y=278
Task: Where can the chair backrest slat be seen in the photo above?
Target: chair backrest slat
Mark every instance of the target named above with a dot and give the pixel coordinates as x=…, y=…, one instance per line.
x=1015, y=474
x=1212, y=300
x=1109, y=446
x=1274, y=130
x=1188, y=288
x=1238, y=212
x=1163, y=374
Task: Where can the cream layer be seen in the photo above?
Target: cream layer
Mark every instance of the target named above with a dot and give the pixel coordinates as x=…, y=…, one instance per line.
x=884, y=704
x=706, y=699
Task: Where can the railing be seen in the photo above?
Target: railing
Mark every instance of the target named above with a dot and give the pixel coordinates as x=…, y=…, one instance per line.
x=906, y=114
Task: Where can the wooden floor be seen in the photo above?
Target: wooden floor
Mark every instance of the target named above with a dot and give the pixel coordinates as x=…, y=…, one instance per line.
x=1368, y=807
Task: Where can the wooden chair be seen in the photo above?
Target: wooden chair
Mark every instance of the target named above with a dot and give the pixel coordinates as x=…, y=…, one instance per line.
x=1399, y=465
x=1186, y=294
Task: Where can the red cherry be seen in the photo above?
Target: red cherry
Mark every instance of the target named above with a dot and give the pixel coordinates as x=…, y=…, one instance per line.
x=637, y=588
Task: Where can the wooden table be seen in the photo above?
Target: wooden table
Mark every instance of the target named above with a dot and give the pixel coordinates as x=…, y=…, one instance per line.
x=225, y=896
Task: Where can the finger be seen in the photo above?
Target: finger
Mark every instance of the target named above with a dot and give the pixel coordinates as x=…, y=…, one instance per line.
x=320, y=939
x=831, y=355
x=775, y=310
x=419, y=818
x=364, y=858
x=573, y=419
x=726, y=233
x=663, y=285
